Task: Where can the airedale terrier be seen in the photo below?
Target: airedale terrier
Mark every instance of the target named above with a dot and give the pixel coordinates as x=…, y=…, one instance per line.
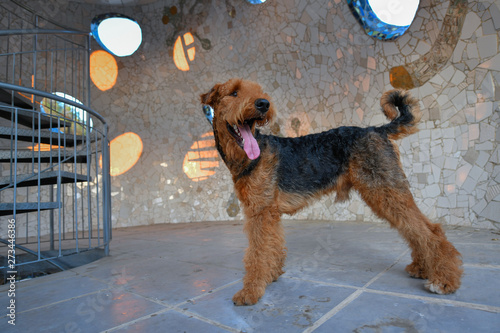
x=277, y=175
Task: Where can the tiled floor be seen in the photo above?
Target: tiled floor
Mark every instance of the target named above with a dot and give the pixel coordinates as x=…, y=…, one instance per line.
x=341, y=277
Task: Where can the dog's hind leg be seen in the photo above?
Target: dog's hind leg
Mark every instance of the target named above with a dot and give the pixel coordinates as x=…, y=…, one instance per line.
x=265, y=256
x=434, y=257
x=376, y=173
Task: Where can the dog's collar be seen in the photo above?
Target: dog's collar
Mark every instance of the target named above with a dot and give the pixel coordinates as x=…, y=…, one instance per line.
x=248, y=170
x=250, y=167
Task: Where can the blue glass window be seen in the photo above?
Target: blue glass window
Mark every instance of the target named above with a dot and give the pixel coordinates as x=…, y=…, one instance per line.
x=384, y=19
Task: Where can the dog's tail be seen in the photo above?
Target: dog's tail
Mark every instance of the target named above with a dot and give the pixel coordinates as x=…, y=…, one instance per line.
x=403, y=111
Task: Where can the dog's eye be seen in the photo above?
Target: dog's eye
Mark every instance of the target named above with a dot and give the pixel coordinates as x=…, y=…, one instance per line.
x=234, y=94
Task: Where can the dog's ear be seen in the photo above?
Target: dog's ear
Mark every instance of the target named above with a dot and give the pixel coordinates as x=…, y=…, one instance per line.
x=210, y=97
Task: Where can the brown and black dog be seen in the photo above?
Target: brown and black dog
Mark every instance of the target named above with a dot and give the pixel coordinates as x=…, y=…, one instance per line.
x=276, y=175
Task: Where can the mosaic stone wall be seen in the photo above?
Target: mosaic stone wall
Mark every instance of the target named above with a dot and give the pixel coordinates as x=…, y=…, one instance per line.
x=322, y=71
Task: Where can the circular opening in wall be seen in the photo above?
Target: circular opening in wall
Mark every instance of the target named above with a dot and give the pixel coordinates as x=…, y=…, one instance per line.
x=395, y=12
x=384, y=19
x=81, y=119
x=116, y=33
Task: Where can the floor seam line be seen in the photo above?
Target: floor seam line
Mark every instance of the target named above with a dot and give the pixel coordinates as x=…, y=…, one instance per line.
x=190, y=301
x=137, y=320
x=349, y=299
x=61, y=301
x=482, y=266
x=330, y=284
x=376, y=277
x=476, y=306
x=206, y=320
x=147, y=298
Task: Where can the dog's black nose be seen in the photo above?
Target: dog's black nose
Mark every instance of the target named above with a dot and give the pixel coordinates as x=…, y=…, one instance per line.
x=262, y=105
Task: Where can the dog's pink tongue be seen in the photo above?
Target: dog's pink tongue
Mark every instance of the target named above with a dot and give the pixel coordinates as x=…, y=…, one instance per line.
x=250, y=145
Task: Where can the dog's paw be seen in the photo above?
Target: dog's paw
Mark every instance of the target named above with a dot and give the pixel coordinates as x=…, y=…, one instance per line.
x=416, y=271
x=245, y=297
x=445, y=281
x=436, y=288
x=441, y=288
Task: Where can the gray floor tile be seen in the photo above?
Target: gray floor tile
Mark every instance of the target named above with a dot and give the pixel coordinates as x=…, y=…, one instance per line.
x=478, y=285
x=346, y=261
x=288, y=306
x=309, y=236
x=171, y=322
x=90, y=313
x=173, y=282
x=472, y=235
x=39, y=292
x=382, y=313
x=487, y=253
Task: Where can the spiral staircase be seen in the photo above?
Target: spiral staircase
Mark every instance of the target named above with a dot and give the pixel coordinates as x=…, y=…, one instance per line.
x=54, y=149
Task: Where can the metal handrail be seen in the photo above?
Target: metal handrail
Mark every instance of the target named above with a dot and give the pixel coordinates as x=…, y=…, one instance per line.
x=33, y=12
x=41, y=31
x=32, y=91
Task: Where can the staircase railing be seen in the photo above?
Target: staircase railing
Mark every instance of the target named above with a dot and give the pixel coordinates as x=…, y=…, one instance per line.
x=54, y=149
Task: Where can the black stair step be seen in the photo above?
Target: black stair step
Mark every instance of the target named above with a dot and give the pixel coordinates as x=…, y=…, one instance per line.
x=46, y=136
x=26, y=114
x=46, y=178
x=30, y=156
x=29, y=118
x=26, y=207
x=14, y=99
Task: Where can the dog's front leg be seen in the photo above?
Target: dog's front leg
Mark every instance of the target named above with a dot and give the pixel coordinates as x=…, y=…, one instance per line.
x=265, y=256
